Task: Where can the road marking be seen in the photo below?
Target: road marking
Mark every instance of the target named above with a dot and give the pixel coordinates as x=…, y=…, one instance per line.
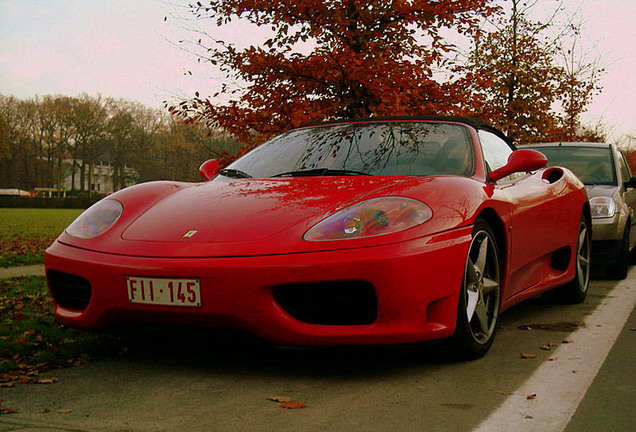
x=561, y=385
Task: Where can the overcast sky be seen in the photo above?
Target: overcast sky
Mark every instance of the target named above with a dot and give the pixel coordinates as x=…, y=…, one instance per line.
x=124, y=48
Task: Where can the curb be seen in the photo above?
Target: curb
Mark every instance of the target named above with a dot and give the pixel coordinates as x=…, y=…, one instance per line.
x=31, y=270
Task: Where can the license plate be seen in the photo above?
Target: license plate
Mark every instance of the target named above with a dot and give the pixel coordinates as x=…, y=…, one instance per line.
x=172, y=292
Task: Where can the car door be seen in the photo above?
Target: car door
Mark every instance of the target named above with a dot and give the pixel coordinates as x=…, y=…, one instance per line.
x=535, y=225
x=628, y=193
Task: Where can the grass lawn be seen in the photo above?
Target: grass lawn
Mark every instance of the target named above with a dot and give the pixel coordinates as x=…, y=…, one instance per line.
x=25, y=233
x=32, y=341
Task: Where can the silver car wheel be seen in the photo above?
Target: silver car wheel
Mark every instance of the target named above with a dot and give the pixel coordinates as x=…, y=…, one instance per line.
x=583, y=258
x=482, y=286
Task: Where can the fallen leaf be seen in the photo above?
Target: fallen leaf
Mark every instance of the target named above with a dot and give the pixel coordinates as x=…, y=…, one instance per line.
x=7, y=410
x=279, y=399
x=7, y=384
x=559, y=326
x=566, y=341
x=44, y=411
x=529, y=417
x=528, y=356
x=24, y=379
x=545, y=347
x=44, y=380
x=65, y=411
x=293, y=405
x=532, y=396
x=550, y=359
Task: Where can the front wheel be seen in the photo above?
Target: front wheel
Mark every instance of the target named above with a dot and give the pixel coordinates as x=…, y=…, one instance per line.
x=576, y=290
x=480, y=296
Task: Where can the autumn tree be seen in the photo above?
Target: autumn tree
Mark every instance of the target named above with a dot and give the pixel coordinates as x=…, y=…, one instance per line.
x=329, y=59
x=88, y=117
x=20, y=160
x=53, y=113
x=47, y=141
x=579, y=83
x=523, y=77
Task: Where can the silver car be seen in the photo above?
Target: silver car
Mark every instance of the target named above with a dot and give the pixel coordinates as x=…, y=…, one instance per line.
x=612, y=193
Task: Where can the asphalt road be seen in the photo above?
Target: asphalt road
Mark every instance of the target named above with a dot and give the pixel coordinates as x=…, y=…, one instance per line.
x=188, y=380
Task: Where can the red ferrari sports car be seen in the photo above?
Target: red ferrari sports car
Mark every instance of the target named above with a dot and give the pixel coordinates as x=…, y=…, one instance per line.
x=373, y=231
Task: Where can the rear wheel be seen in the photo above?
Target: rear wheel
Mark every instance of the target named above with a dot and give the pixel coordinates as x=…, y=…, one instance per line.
x=478, y=310
x=576, y=290
x=618, y=270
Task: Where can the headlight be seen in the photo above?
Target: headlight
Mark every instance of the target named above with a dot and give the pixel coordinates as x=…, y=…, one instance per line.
x=370, y=218
x=96, y=219
x=602, y=207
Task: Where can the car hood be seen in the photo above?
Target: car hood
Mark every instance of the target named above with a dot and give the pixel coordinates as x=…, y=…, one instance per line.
x=247, y=217
x=248, y=209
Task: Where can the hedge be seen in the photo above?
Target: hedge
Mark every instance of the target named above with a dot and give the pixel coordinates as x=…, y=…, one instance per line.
x=65, y=203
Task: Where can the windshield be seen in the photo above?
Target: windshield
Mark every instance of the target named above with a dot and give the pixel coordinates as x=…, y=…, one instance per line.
x=391, y=148
x=591, y=165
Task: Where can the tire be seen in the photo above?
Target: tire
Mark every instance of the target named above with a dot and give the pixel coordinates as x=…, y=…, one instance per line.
x=479, y=298
x=576, y=290
x=619, y=269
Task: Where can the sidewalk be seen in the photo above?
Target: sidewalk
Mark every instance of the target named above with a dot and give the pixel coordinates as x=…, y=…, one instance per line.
x=31, y=270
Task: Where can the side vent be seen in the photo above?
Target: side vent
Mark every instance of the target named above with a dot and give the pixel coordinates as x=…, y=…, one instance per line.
x=561, y=258
x=552, y=175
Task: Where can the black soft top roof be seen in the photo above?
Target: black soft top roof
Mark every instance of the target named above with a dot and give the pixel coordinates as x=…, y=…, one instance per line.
x=473, y=122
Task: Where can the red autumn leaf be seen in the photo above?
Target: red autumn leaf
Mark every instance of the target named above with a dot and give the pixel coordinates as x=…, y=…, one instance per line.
x=293, y=405
x=64, y=411
x=532, y=396
x=528, y=356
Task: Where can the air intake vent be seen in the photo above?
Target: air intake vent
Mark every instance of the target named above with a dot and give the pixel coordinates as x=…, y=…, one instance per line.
x=69, y=291
x=350, y=302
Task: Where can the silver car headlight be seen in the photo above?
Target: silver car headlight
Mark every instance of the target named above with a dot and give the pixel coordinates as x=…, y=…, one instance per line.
x=96, y=220
x=374, y=217
x=602, y=207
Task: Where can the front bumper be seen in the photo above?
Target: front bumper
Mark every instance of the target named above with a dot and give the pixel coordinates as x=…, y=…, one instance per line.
x=606, y=252
x=608, y=228
x=416, y=282
x=607, y=240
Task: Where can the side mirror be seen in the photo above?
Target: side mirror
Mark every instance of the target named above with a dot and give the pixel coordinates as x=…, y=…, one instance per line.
x=209, y=169
x=630, y=184
x=524, y=160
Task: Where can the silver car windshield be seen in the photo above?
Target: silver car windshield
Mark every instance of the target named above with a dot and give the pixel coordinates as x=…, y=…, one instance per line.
x=382, y=148
x=591, y=165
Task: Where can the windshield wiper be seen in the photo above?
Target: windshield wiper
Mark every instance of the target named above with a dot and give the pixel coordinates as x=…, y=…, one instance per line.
x=234, y=173
x=320, y=172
